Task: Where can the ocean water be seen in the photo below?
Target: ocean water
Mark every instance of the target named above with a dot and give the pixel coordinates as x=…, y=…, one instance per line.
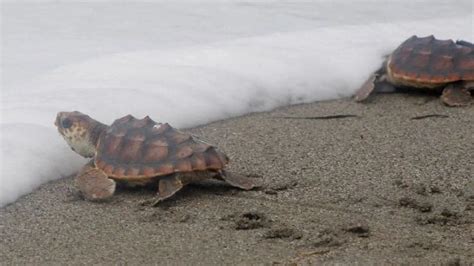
x=186, y=63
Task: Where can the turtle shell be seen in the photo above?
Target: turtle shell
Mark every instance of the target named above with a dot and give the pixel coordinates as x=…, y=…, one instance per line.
x=430, y=61
x=132, y=149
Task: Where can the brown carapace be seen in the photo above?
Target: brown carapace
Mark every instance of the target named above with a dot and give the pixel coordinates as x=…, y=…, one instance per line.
x=134, y=149
x=141, y=151
x=428, y=63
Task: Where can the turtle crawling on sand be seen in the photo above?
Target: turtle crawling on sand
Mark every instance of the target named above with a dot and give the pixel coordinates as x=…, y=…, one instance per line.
x=428, y=63
x=139, y=152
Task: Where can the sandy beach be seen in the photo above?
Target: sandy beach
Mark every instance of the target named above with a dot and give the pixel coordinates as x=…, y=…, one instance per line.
x=390, y=183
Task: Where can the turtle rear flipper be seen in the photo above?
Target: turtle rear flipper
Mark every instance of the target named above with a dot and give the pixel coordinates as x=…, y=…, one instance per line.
x=168, y=186
x=239, y=181
x=94, y=184
x=456, y=95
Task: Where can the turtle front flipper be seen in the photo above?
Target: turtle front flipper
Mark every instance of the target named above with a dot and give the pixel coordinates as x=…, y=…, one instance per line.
x=239, y=181
x=366, y=89
x=94, y=184
x=456, y=95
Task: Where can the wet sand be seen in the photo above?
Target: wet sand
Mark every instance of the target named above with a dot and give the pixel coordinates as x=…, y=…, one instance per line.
x=394, y=184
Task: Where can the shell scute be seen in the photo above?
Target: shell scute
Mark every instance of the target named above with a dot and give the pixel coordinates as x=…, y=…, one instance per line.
x=199, y=162
x=141, y=148
x=158, y=142
x=165, y=168
x=466, y=64
x=136, y=136
x=119, y=171
x=421, y=60
x=178, y=137
x=113, y=144
x=201, y=147
x=213, y=160
x=132, y=171
x=184, y=152
x=155, y=153
x=442, y=62
x=184, y=166
x=108, y=169
x=138, y=123
x=131, y=151
x=124, y=119
x=147, y=170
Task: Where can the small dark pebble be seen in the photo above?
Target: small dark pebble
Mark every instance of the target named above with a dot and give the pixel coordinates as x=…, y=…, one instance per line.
x=399, y=183
x=359, y=199
x=469, y=206
x=412, y=203
x=361, y=230
x=284, y=186
x=425, y=207
x=448, y=213
x=454, y=262
x=185, y=218
x=406, y=202
x=270, y=191
x=435, y=189
x=72, y=195
x=420, y=189
x=423, y=245
x=326, y=238
x=283, y=232
x=446, y=217
x=251, y=220
x=439, y=220
x=469, y=192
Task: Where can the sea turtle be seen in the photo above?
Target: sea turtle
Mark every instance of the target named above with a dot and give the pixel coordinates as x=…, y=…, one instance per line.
x=427, y=63
x=139, y=152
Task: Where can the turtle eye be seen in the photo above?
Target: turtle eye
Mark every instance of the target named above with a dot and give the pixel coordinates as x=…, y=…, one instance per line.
x=66, y=123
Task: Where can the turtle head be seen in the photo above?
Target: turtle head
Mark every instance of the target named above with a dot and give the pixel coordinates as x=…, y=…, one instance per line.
x=80, y=131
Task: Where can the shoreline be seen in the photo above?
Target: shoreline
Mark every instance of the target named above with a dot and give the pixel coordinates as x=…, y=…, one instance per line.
x=392, y=185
